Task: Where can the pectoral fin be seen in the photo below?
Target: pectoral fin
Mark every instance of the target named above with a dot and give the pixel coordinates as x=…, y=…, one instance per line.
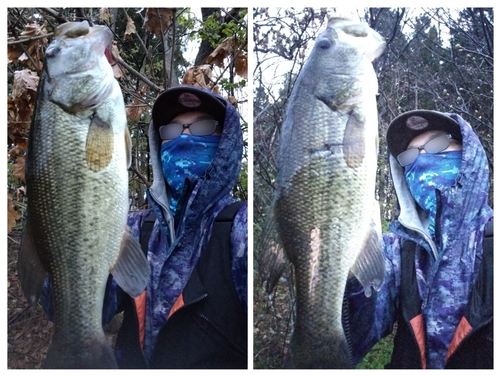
x=30, y=270
x=131, y=271
x=369, y=267
x=128, y=147
x=354, y=145
x=99, y=146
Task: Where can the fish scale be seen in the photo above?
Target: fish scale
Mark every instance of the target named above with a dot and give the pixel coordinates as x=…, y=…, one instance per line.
x=327, y=218
x=77, y=190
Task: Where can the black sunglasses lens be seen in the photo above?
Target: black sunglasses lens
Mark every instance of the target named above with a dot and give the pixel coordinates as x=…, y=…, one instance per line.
x=408, y=156
x=170, y=131
x=203, y=127
x=437, y=144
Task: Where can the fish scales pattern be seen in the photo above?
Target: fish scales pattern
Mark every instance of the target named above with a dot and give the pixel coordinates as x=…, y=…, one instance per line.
x=326, y=183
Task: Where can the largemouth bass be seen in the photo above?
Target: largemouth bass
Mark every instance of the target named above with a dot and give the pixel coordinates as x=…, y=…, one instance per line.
x=77, y=189
x=326, y=214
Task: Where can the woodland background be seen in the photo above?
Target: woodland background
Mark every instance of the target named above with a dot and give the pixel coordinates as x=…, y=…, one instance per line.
x=154, y=49
x=435, y=58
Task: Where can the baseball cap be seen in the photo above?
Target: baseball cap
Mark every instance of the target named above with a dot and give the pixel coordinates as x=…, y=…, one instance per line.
x=184, y=98
x=408, y=125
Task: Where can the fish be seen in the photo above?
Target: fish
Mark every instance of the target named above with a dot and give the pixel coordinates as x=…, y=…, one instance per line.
x=77, y=165
x=327, y=217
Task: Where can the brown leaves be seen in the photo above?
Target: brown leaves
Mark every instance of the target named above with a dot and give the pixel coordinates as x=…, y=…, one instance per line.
x=18, y=170
x=12, y=214
x=227, y=48
x=136, y=109
x=118, y=70
x=29, y=47
x=129, y=29
x=241, y=65
x=21, y=105
x=200, y=75
x=158, y=20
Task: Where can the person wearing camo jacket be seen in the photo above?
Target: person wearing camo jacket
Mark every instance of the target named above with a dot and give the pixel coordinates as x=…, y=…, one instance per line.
x=193, y=313
x=438, y=288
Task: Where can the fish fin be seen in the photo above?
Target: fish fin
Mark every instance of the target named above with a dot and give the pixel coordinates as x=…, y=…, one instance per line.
x=354, y=146
x=356, y=30
x=128, y=147
x=271, y=258
x=72, y=29
x=99, y=147
x=65, y=354
x=131, y=270
x=30, y=270
x=369, y=267
x=318, y=351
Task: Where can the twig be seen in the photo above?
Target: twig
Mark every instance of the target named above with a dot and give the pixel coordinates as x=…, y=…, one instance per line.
x=143, y=179
x=30, y=39
x=135, y=73
x=19, y=314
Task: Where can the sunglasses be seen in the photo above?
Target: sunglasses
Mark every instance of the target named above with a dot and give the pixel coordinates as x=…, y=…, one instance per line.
x=198, y=128
x=434, y=145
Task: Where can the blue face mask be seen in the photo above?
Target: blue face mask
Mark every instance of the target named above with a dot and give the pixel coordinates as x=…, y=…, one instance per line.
x=186, y=156
x=428, y=173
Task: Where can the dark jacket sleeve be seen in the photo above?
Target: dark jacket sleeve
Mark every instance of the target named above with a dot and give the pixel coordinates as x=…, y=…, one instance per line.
x=239, y=242
x=372, y=318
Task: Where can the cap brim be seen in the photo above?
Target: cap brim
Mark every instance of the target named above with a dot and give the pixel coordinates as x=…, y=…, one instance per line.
x=410, y=124
x=180, y=99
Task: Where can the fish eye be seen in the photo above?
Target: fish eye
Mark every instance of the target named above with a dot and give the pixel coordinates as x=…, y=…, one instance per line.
x=325, y=43
x=52, y=52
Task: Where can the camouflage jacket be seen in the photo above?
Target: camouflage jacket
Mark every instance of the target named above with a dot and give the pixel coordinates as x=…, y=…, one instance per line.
x=176, y=243
x=446, y=266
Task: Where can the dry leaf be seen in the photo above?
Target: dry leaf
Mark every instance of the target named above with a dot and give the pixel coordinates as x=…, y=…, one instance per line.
x=20, y=106
x=118, y=71
x=104, y=15
x=24, y=90
x=200, y=75
x=18, y=170
x=14, y=51
x=233, y=101
x=135, y=110
x=129, y=29
x=158, y=20
x=221, y=52
x=34, y=47
x=25, y=83
x=20, y=193
x=33, y=29
x=241, y=65
x=12, y=214
x=15, y=151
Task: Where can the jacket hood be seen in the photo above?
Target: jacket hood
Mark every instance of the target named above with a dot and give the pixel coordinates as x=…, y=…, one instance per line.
x=220, y=178
x=463, y=206
x=176, y=245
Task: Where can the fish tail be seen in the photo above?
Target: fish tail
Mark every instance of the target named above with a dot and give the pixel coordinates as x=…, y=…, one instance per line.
x=331, y=353
x=97, y=354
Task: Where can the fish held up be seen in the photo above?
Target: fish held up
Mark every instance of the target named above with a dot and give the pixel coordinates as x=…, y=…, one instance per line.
x=326, y=215
x=77, y=187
